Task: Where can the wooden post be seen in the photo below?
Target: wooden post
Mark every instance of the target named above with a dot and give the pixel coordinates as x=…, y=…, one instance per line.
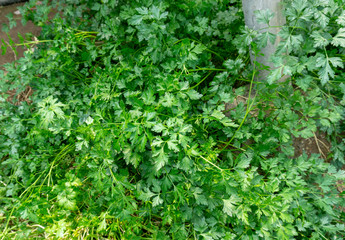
x=249, y=6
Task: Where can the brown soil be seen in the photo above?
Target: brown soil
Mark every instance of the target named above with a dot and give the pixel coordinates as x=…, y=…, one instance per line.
x=10, y=56
x=21, y=97
x=317, y=144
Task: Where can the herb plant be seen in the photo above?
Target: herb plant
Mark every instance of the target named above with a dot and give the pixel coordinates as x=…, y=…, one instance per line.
x=132, y=132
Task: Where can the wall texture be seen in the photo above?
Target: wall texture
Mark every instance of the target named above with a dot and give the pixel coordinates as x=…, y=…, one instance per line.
x=249, y=7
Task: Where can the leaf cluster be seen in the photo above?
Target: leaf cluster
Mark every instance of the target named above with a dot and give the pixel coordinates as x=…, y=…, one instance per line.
x=127, y=134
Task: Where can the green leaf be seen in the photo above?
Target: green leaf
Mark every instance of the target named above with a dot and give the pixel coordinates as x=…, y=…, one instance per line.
x=135, y=20
x=336, y=62
x=326, y=70
x=245, y=160
x=142, y=10
x=194, y=95
x=89, y=120
x=146, y=195
x=3, y=47
x=66, y=199
x=168, y=100
x=341, y=19
x=320, y=39
x=160, y=159
x=96, y=6
x=185, y=164
x=142, y=140
x=275, y=75
x=159, y=127
x=156, y=13
x=230, y=204
x=148, y=97
x=339, y=39
x=227, y=122
x=198, y=49
x=233, y=66
x=264, y=16
x=102, y=225
x=325, y=122
x=157, y=142
x=172, y=145
x=199, y=197
x=289, y=42
x=156, y=201
x=11, y=20
x=50, y=109
x=5, y=28
x=263, y=38
x=60, y=228
x=185, y=128
x=218, y=114
x=131, y=157
x=304, y=82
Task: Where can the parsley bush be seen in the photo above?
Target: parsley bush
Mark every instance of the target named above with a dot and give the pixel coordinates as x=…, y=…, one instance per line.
x=132, y=131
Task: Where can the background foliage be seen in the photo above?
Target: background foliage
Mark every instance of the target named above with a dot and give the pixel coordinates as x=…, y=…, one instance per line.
x=128, y=135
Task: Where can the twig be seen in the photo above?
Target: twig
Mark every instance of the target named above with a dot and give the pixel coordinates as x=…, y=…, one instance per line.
x=324, y=144
x=318, y=147
x=14, y=53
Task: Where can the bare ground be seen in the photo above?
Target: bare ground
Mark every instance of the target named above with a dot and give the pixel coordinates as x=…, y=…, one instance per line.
x=10, y=56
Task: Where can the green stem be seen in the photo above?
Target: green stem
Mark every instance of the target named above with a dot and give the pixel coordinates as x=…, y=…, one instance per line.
x=6, y=227
x=201, y=81
x=206, y=69
x=212, y=164
x=249, y=106
x=32, y=42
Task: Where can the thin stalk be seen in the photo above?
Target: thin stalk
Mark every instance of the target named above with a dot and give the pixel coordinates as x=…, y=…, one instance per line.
x=206, y=69
x=201, y=80
x=212, y=164
x=249, y=106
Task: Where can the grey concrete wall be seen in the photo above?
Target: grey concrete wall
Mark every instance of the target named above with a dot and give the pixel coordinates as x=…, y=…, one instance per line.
x=249, y=6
